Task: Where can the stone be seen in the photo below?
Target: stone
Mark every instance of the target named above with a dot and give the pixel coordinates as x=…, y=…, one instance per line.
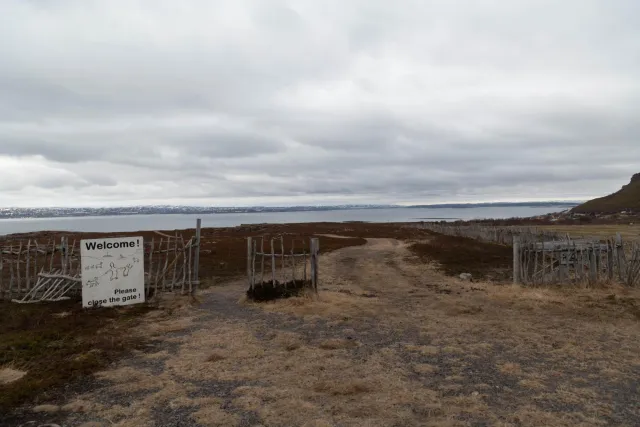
x=49, y=409
x=467, y=277
x=78, y=406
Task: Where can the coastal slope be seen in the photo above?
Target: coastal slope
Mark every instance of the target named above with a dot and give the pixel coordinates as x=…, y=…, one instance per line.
x=626, y=199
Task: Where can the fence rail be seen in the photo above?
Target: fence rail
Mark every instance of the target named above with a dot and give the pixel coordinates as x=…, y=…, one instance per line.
x=546, y=257
x=33, y=271
x=282, y=265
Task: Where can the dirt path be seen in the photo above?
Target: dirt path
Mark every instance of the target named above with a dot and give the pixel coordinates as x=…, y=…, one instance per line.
x=389, y=342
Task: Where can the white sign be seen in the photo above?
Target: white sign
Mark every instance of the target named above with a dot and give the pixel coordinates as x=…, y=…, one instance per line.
x=112, y=271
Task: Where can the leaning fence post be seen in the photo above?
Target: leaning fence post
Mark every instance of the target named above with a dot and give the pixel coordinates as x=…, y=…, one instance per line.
x=516, y=259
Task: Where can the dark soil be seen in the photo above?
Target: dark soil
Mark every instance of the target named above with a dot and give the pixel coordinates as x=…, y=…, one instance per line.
x=267, y=291
x=457, y=255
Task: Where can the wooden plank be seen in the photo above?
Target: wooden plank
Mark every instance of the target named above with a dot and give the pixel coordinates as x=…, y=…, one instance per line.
x=304, y=264
x=253, y=263
x=620, y=256
x=184, y=263
x=516, y=260
x=262, y=260
x=293, y=264
x=66, y=255
x=284, y=271
x=175, y=259
x=273, y=263
x=35, y=263
x=60, y=276
x=544, y=266
x=593, y=267
x=249, y=259
x=2, y=289
x=19, y=282
x=610, y=248
x=150, y=267
x=53, y=252
x=11, y=271
x=316, y=249
x=166, y=265
x=189, y=264
x=196, y=259
x=70, y=256
x=26, y=267
x=535, y=267
x=157, y=274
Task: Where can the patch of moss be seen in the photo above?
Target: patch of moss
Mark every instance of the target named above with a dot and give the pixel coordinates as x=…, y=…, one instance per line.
x=54, y=349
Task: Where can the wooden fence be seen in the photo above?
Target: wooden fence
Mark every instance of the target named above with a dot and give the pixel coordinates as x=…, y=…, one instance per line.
x=576, y=261
x=546, y=257
x=499, y=235
x=33, y=271
x=282, y=266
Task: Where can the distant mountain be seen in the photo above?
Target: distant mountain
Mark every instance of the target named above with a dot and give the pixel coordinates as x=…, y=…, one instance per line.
x=626, y=199
x=497, y=205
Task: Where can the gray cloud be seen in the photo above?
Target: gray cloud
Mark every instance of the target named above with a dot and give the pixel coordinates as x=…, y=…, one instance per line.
x=287, y=102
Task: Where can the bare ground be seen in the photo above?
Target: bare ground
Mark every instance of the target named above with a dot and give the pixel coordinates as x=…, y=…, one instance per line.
x=388, y=342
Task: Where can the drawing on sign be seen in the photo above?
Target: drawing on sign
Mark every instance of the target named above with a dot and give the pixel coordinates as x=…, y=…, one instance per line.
x=112, y=271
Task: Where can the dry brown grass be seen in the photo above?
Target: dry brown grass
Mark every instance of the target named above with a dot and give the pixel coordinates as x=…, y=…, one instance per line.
x=597, y=230
x=393, y=342
x=510, y=368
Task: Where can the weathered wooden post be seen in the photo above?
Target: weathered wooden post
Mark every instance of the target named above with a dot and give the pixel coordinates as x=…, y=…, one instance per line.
x=196, y=259
x=593, y=267
x=261, y=260
x=273, y=264
x=249, y=260
x=315, y=248
x=620, y=256
x=516, y=260
x=253, y=263
x=610, y=249
x=2, y=290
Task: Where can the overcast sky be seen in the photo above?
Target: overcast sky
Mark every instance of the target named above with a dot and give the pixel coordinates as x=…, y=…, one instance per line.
x=276, y=102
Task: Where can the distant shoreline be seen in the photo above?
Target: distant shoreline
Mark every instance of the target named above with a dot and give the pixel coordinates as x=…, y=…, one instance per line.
x=51, y=213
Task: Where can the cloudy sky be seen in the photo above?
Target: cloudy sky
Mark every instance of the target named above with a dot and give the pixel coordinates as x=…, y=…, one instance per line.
x=278, y=102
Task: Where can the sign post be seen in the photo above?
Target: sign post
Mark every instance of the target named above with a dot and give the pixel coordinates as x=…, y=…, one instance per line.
x=112, y=271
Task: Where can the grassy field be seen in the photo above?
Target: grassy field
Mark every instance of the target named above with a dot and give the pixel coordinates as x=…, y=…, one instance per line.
x=393, y=339
x=597, y=230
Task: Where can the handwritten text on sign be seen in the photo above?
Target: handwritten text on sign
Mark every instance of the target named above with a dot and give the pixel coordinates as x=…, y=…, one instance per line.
x=112, y=271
